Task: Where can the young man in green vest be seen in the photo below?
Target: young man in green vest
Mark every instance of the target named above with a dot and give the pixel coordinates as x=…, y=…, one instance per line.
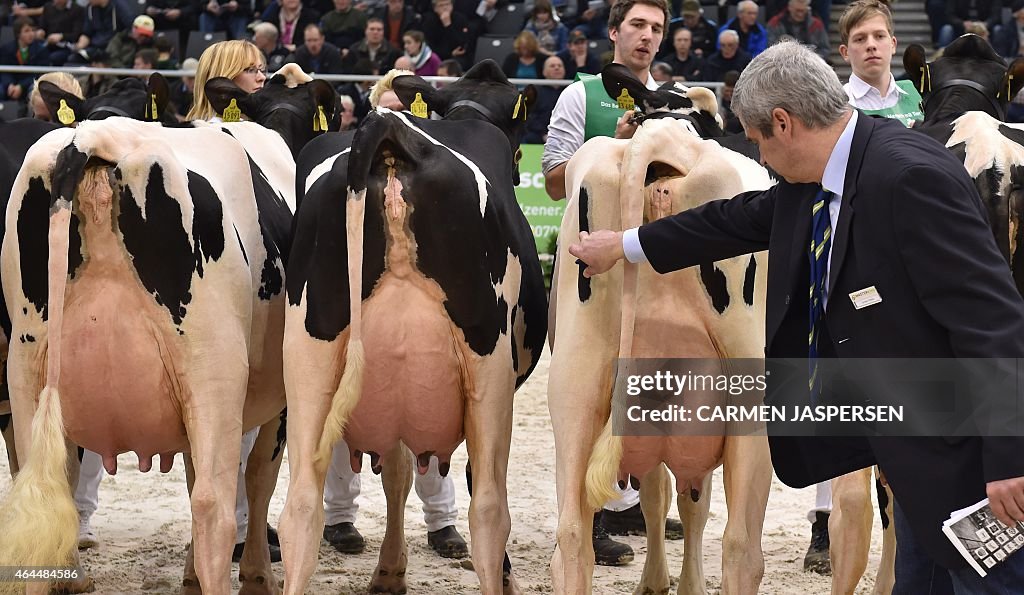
x=867, y=44
x=584, y=110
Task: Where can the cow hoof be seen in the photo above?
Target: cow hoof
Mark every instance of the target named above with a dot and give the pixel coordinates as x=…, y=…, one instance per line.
x=82, y=585
x=190, y=587
x=388, y=582
x=509, y=586
x=259, y=585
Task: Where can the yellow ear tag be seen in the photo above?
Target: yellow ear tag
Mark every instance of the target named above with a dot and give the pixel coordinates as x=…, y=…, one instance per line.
x=65, y=114
x=231, y=112
x=320, y=120
x=625, y=101
x=419, y=107
x=153, y=114
x=515, y=110
x=1009, y=80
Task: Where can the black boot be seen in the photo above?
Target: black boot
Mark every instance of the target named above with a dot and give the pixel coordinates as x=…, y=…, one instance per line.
x=607, y=551
x=345, y=538
x=631, y=522
x=817, y=559
x=447, y=542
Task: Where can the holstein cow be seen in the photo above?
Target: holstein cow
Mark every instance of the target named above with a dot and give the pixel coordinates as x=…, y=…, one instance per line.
x=129, y=97
x=174, y=310
x=416, y=307
x=714, y=311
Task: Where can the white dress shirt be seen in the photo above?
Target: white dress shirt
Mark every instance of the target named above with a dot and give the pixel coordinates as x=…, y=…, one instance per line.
x=864, y=96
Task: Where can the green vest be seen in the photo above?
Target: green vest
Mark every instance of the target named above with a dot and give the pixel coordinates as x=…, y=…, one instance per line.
x=906, y=110
x=602, y=110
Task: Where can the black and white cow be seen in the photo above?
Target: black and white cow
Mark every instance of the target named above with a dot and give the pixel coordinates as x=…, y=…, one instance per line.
x=416, y=307
x=174, y=304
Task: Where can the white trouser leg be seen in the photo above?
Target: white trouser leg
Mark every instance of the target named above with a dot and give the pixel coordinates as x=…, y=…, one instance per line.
x=87, y=491
x=628, y=498
x=822, y=500
x=341, y=488
x=241, y=501
x=438, y=496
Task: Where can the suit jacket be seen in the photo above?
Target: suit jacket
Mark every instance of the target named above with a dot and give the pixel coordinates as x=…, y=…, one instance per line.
x=911, y=224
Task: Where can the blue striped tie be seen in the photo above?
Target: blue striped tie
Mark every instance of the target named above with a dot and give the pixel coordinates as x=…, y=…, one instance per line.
x=821, y=243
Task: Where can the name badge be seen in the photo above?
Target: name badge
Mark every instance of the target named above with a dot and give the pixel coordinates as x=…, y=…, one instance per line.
x=865, y=297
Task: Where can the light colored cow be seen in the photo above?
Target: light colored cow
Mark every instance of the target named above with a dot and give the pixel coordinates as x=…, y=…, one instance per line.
x=633, y=311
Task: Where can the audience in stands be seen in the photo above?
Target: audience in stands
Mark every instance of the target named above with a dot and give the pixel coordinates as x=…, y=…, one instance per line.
x=961, y=14
x=704, y=31
x=103, y=19
x=230, y=16
x=398, y=18
x=552, y=36
x=344, y=25
x=423, y=60
x=728, y=57
x=125, y=44
x=540, y=112
x=25, y=50
x=372, y=54
x=1006, y=40
x=264, y=36
x=316, y=55
x=61, y=26
x=291, y=18
x=448, y=32
x=752, y=35
x=686, y=66
x=796, y=21
x=525, y=61
x=578, y=57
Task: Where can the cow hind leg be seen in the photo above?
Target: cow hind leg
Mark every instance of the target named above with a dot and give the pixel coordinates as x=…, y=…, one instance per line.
x=254, y=571
x=885, y=580
x=748, y=479
x=694, y=515
x=850, y=529
x=190, y=581
x=12, y=449
x=389, y=576
x=655, y=498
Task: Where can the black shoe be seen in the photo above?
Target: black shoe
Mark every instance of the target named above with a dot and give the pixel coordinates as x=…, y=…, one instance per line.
x=272, y=538
x=817, y=559
x=448, y=543
x=607, y=551
x=345, y=538
x=631, y=522
x=236, y=554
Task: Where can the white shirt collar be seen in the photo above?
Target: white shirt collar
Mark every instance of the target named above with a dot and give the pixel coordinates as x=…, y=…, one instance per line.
x=861, y=88
x=834, y=178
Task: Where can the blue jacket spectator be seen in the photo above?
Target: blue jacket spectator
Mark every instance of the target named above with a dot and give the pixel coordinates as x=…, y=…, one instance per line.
x=103, y=18
x=753, y=36
x=552, y=36
x=1006, y=39
x=25, y=50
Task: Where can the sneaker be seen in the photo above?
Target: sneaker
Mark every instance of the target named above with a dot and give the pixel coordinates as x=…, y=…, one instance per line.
x=448, y=543
x=345, y=538
x=631, y=522
x=817, y=560
x=607, y=551
x=86, y=536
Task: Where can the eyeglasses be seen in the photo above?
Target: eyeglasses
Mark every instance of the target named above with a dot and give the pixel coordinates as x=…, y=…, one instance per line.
x=254, y=70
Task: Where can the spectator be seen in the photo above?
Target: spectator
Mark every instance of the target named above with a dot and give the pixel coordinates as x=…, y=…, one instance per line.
x=578, y=57
x=424, y=60
x=146, y=59
x=453, y=68
x=552, y=36
x=30, y=9
x=594, y=21
x=317, y=55
x=264, y=36
x=732, y=123
x=344, y=25
x=540, y=113
x=1007, y=40
x=403, y=63
x=373, y=54
x=661, y=72
x=96, y=84
x=448, y=32
x=348, y=113
x=753, y=37
x=183, y=92
x=172, y=15
x=231, y=16
x=291, y=18
x=798, y=22
x=125, y=44
x=525, y=60
x=102, y=20
x=962, y=13
x=166, y=59
x=703, y=31
x=398, y=18
x=66, y=82
x=61, y=25
x=685, y=65
x=728, y=57
x=25, y=50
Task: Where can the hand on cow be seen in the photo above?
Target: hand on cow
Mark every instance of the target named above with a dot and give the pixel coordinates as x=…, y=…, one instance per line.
x=599, y=251
x=625, y=128
x=1006, y=497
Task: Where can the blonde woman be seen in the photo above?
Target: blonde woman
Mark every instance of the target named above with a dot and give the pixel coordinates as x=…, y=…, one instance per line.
x=65, y=81
x=238, y=60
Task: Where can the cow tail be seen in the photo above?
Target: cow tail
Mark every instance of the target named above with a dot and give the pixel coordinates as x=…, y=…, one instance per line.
x=603, y=468
x=39, y=518
x=351, y=386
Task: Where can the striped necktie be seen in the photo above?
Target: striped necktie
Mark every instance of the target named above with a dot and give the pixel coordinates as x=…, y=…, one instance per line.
x=821, y=243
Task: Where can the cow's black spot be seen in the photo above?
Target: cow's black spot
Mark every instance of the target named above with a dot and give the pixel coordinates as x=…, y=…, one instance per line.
x=28, y=339
x=582, y=283
x=748, y=281
x=207, y=221
x=74, y=245
x=883, y=502
x=33, y=248
x=241, y=246
x=282, y=434
x=276, y=228
x=160, y=248
x=503, y=314
x=714, y=283
x=515, y=346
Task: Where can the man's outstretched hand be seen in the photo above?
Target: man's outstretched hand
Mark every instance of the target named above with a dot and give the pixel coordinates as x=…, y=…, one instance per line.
x=599, y=251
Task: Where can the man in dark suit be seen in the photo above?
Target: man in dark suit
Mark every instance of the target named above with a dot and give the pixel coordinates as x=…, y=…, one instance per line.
x=908, y=224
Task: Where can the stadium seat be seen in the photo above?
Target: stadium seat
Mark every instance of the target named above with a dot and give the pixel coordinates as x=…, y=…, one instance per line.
x=599, y=46
x=6, y=34
x=10, y=110
x=509, y=21
x=495, y=48
x=199, y=41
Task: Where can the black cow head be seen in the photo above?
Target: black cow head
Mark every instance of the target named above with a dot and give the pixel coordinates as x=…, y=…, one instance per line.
x=483, y=93
x=970, y=76
x=129, y=98
x=696, y=104
x=298, y=112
